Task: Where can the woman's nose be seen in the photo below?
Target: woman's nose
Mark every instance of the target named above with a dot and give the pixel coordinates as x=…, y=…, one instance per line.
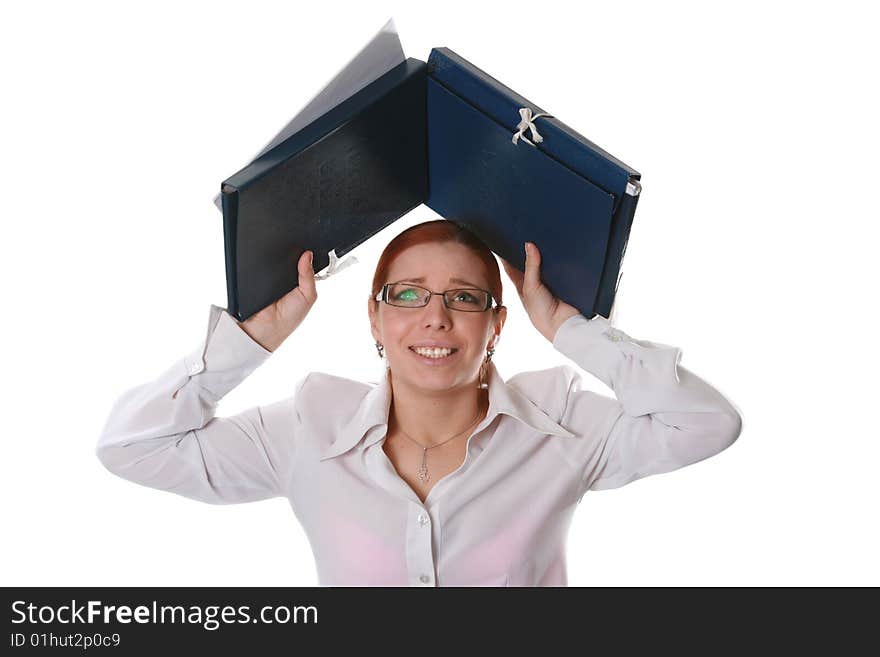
x=436, y=312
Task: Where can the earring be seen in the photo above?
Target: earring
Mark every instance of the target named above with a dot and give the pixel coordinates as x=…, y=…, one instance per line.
x=484, y=368
x=381, y=349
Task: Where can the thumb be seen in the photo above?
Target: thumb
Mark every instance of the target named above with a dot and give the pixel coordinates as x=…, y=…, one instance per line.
x=532, y=277
x=306, y=275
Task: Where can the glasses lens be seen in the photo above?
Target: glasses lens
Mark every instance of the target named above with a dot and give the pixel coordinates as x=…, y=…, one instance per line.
x=469, y=300
x=408, y=296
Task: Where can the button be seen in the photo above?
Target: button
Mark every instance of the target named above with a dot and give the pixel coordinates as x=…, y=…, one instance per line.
x=614, y=335
x=195, y=367
x=424, y=579
x=423, y=519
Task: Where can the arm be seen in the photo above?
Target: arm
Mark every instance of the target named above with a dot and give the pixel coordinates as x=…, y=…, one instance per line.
x=665, y=417
x=163, y=434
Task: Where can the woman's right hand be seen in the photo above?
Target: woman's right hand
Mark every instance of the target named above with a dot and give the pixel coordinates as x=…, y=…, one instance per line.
x=271, y=326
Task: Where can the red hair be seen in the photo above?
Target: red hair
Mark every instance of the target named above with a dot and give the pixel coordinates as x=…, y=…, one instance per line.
x=439, y=231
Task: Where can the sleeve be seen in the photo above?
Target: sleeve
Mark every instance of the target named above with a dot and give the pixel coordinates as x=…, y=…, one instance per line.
x=664, y=416
x=163, y=434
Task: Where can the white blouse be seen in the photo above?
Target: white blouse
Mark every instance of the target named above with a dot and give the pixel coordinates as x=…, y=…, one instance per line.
x=500, y=519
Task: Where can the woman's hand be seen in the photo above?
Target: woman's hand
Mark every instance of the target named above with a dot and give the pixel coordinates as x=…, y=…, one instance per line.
x=545, y=311
x=271, y=326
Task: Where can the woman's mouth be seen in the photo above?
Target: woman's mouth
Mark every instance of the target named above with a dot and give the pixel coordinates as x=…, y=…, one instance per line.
x=434, y=355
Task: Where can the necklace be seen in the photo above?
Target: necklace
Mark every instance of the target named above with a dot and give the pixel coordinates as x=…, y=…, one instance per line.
x=423, y=468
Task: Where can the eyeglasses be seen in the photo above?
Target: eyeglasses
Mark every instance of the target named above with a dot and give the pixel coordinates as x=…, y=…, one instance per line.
x=465, y=299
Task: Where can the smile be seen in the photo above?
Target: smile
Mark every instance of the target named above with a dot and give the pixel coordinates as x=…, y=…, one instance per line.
x=433, y=355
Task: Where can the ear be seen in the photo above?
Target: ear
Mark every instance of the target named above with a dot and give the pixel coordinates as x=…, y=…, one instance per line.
x=373, y=314
x=500, y=318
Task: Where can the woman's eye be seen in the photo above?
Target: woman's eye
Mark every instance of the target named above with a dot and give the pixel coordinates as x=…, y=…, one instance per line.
x=407, y=295
x=466, y=297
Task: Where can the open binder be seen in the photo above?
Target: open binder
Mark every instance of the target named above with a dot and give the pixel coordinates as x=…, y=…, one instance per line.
x=441, y=133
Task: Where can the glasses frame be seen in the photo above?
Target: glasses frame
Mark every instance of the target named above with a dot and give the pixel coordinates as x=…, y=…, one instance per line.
x=383, y=296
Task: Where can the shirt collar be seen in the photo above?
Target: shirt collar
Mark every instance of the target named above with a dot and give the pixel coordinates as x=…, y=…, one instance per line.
x=503, y=398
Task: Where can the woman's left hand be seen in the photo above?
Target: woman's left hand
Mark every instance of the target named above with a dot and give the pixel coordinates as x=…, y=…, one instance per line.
x=545, y=311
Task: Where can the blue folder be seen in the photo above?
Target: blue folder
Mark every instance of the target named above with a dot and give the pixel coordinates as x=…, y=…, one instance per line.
x=450, y=136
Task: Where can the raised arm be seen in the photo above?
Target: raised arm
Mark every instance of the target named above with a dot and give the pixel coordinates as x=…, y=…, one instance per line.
x=664, y=417
x=163, y=434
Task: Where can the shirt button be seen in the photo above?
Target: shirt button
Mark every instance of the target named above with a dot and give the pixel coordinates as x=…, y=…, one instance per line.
x=424, y=579
x=423, y=519
x=613, y=335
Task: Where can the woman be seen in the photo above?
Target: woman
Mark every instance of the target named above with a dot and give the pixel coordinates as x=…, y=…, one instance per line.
x=443, y=474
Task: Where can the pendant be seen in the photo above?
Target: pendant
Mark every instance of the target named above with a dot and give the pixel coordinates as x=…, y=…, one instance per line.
x=423, y=468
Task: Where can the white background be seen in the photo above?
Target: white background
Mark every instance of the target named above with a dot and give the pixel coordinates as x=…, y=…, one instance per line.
x=754, y=248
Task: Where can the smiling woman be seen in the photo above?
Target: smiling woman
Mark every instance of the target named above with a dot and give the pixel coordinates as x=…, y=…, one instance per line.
x=437, y=344
x=444, y=473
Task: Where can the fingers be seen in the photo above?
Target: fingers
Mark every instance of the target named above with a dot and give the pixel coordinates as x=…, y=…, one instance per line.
x=532, y=276
x=306, y=272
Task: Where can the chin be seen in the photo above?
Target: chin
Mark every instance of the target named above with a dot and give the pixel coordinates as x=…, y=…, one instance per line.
x=437, y=380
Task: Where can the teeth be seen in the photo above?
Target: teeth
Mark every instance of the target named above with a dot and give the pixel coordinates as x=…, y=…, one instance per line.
x=432, y=352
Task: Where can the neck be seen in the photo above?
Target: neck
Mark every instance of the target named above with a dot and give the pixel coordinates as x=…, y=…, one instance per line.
x=433, y=418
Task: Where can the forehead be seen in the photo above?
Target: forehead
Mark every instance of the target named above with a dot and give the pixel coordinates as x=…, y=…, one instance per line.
x=438, y=264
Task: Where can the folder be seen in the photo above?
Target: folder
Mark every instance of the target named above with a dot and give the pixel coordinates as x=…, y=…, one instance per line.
x=445, y=134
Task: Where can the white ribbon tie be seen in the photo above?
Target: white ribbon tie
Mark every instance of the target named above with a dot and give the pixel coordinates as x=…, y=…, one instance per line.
x=336, y=265
x=527, y=123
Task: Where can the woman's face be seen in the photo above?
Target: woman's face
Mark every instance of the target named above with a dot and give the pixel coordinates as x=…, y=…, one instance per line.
x=469, y=333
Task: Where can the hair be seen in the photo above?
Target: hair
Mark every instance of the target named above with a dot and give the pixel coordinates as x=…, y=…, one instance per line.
x=439, y=231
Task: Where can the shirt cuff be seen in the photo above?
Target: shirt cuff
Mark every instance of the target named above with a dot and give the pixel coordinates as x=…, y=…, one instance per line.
x=599, y=348
x=587, y=343
x=226, y=356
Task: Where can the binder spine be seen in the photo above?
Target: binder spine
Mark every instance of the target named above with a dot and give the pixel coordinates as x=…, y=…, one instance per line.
x=230, y=234
x=619, y=238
